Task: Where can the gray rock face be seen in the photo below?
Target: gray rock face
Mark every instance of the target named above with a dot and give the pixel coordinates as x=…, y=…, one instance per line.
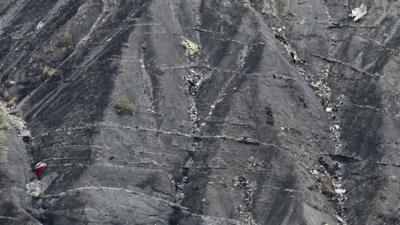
x=192, y=112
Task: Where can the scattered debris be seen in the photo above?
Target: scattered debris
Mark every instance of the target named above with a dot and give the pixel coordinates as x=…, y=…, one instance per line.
x=191, y=47
x=34, y=188
x=247, y=189
x=331, y=105
x=280, y=36
x=293, y=54
x=193, y=81
x=359, y=12
x=330, y=176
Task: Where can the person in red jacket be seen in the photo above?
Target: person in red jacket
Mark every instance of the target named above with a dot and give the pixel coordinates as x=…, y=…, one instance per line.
x=40, y=168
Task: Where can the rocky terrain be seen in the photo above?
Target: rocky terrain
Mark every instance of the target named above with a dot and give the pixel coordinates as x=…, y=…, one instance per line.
x=214, y=112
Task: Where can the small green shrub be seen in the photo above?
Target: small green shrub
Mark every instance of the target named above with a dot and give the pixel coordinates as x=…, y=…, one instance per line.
x=65, y=40
x=124, y=106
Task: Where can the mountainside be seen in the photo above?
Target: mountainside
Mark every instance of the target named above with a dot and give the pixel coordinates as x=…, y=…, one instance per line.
x=214, y=112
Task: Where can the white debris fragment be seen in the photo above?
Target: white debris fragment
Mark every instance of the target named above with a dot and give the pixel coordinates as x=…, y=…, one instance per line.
x=34, y=188
x=25, y=133
x=340, y=191
x=12, y=82
x=340, y=219
x=359, y=12
x=40, y=25
x=189, y=163
x=279, y=29
x=328, y=109
x=338, y=188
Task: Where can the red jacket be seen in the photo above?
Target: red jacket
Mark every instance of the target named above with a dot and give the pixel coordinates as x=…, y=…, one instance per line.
x=40, y=168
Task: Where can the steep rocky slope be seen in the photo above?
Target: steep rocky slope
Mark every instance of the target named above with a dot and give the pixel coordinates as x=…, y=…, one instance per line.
x=200, y=112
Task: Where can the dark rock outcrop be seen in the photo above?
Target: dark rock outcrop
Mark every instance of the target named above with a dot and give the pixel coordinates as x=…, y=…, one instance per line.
x=200, y=112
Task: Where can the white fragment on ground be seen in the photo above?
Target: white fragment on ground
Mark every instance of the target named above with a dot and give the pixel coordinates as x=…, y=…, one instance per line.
x=340, y=219
x=40, y=25
x=328, y=109
x=280, y=32
x=34, y=189
x=340, y=191
x=338, y=188
x=359, y=12
x=314, y=172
